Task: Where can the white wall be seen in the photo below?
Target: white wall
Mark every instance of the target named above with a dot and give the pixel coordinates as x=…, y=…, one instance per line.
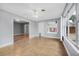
x=42, y=28
x=6, y=29
x=33, y=29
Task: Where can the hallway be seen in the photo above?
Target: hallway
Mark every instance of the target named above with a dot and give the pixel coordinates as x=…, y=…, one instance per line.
x=20, y=37
x=35, y=47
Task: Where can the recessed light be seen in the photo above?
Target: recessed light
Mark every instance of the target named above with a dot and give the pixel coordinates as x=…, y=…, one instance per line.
x=43, y=10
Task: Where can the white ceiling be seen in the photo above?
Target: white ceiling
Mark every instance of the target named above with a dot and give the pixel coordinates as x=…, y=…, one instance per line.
x=33, y=11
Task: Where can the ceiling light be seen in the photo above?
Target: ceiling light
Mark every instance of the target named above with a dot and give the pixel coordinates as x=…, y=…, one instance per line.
x=43, y=10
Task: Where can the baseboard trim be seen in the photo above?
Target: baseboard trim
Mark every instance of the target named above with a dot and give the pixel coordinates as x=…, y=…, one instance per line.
x=7, y=44
x=19, y=34
x=51, y=37
x=45, y=37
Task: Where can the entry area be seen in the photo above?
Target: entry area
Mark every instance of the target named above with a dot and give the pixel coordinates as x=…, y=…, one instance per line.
x=21, y=31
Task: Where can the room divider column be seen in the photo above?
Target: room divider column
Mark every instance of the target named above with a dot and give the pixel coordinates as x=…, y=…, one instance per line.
x=61, y=19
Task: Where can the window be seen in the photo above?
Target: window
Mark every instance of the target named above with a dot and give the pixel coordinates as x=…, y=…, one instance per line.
x=52, y=27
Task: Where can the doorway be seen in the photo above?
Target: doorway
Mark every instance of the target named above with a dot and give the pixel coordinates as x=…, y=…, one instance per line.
x=21, y=31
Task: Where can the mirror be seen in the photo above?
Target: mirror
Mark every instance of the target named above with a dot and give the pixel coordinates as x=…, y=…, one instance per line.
x=72, y=28
x=71, y=24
